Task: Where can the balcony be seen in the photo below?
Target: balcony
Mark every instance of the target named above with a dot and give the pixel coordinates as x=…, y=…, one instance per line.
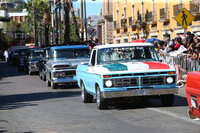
x=194, y=8
x=177, y=8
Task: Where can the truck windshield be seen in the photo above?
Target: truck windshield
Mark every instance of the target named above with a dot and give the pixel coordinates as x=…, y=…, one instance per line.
x=70, y=53
x=124, y=54
x=36, y=53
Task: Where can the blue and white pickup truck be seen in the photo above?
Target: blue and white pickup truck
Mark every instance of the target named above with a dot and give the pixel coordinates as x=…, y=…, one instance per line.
x=126, y=70
x=62, y=63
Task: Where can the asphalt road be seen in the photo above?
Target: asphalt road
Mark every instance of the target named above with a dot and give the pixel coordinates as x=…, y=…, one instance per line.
x=27, y=105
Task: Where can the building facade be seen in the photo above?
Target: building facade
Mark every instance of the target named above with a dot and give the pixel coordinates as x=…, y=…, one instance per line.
x=107, y=21
x=142, y=19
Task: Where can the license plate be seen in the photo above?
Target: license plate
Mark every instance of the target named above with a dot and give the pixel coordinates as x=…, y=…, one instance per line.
x=194, y=102
x=141, y=92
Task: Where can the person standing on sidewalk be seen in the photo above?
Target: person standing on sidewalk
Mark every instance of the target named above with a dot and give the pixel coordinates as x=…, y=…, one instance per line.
x=6, y=55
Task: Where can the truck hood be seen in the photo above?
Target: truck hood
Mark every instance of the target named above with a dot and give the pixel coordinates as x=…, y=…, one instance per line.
x=132, y=67
x=70, y=62
x=34, y=59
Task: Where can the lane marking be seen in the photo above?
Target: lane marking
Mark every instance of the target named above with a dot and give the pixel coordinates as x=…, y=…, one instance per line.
x=50, y=132
x=179, y=116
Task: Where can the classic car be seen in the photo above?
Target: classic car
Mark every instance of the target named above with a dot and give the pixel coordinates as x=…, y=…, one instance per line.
x=35, y=55
x=62, y=63
x=125, y=71
x=192, y=90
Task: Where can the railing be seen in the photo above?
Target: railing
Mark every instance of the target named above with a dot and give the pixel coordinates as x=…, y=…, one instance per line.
x=183, y=64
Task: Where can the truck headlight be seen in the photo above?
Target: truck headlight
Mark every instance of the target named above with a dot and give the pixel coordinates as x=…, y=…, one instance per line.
x=108, y=83
x=59, y=74
x=170, y=80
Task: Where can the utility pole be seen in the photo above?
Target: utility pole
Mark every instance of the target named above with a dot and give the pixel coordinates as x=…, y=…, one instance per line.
x=67, y=21
x=56, y=13
x=82, y=20
x=85, y=18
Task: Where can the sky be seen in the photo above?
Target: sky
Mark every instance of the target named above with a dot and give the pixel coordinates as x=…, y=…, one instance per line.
x=93, y=7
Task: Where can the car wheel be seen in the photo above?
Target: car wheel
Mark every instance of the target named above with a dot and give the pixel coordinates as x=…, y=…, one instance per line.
x=40, y=74
x=85, y=96
x=53, y=85
x=48, y=83
x=100, y=101
x=167, y=100
x=30, y=73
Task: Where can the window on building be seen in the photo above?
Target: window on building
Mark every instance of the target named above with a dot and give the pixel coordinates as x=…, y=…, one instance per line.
x=117, y=41
x=126, y=40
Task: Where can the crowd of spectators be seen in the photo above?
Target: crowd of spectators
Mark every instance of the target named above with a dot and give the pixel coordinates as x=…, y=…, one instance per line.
x=182, y=45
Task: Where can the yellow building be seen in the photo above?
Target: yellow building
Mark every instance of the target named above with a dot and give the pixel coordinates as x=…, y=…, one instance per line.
x=142, y=19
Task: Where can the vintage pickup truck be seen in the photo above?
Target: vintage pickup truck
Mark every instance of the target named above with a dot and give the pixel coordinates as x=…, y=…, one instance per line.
x=61, y=65
x=126, y=70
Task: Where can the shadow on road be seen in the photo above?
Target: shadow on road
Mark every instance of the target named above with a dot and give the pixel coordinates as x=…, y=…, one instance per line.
x=145, y=103
x=23, y=100
x=9, y=71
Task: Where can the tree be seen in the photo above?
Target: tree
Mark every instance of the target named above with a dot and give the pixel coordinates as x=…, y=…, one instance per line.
x=37, y=9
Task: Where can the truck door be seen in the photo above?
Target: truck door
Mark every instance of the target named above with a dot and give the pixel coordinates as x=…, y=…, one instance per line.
x=90, y=83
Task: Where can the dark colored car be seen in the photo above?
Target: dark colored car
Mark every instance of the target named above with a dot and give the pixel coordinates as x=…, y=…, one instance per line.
x=35, y=55
x=22, y=59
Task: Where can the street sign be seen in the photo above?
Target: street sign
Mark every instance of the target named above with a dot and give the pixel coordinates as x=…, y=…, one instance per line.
x=184, y=18
x=19, y=35
x=92, y=31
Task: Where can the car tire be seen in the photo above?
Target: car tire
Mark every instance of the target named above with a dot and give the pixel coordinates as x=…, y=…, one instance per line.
x=48, y=83
x=100, y=101
x=40, y=74
x=167, y=100
x=43, y=75
x=85, y=96
x=30, y=73
x=54, y=86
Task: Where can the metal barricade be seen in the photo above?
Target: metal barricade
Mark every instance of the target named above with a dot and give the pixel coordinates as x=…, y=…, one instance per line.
x=182, y=63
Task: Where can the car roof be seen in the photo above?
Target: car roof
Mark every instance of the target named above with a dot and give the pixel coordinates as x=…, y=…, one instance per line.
x=122, y=45
x=37, y=49
x=69, y=47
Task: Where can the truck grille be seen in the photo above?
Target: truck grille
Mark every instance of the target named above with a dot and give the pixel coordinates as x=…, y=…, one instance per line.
x=124, y=82
x=70, y=73
x=153, y=80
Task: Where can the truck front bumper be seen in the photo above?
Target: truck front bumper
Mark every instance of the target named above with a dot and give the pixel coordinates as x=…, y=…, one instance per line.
x=140, y=92
x=64, y=80
x=33, y=69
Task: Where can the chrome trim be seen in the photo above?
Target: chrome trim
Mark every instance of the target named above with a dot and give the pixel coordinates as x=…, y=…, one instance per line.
x=132, y=93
